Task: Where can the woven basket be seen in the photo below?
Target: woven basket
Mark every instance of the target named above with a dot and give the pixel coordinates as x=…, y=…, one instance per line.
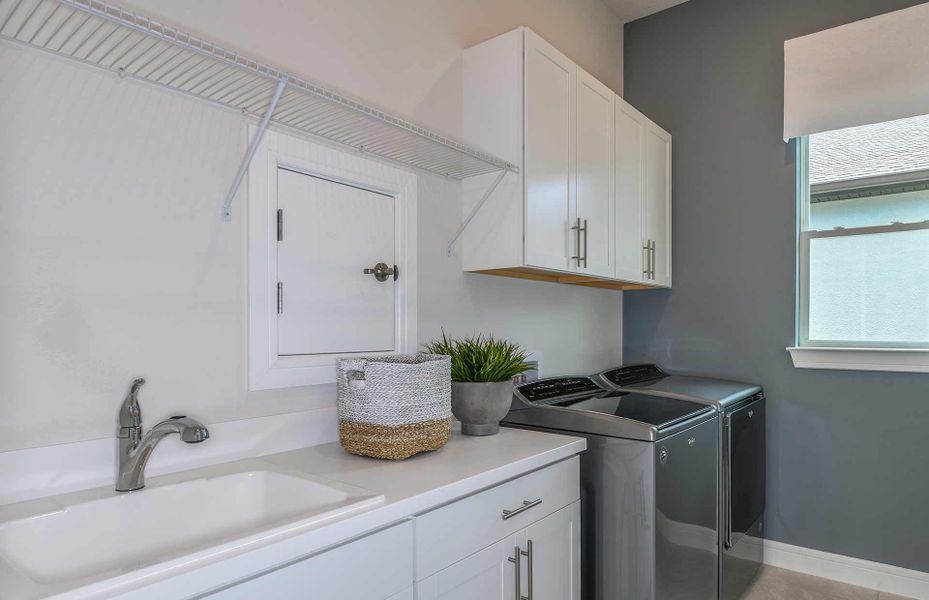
x=394, y=406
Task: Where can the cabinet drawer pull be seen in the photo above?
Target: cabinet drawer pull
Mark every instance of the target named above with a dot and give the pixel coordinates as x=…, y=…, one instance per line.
x=527, y=504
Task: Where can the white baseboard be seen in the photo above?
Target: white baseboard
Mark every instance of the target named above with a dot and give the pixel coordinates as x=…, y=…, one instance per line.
x=845, y=569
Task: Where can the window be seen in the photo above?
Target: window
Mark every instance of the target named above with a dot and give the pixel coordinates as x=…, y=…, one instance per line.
x=864, y=239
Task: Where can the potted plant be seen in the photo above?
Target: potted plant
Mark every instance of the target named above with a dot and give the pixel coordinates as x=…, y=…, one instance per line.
x=482, y=372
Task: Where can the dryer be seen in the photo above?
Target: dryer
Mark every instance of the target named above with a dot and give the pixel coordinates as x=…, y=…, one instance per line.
x=742, y=481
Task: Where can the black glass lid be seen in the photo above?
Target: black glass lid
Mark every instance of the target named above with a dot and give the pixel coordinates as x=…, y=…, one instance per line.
x=547, y=391
x=657, y=411
x=633, y=374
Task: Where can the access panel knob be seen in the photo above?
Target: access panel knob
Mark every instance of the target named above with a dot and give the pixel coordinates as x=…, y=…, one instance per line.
x=381, y=271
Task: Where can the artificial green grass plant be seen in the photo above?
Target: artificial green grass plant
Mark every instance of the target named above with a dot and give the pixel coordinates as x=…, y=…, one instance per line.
x=481, y=358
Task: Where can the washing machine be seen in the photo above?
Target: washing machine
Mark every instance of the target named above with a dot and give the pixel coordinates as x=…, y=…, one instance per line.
x=649, y=489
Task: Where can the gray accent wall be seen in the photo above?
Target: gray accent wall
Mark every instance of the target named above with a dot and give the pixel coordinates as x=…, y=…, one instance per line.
x=848, y=459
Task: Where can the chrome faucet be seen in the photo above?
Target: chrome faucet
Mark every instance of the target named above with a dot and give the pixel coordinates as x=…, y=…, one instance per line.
x=135, y=450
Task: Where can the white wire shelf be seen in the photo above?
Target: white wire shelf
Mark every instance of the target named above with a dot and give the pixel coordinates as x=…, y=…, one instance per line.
x=100, y=34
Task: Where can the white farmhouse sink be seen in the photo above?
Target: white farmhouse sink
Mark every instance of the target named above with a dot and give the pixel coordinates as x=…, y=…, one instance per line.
x=121, y=532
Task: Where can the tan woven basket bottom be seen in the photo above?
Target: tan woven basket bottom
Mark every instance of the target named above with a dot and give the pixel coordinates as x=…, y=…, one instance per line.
x=394, y=443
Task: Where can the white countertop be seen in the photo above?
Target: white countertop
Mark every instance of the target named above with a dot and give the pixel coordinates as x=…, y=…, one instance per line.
x=465, y=466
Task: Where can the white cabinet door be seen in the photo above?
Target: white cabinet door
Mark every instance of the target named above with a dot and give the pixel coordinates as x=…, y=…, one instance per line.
x=488, y=575
x=549, y=154
x=331, y=232
x=375, y=567
x=642, y=198
x=555, y=562
x=631, y=255
x=658, y=201
x=594, y=181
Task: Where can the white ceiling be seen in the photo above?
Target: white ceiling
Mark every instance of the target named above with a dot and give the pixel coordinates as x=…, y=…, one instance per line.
x=630, y=10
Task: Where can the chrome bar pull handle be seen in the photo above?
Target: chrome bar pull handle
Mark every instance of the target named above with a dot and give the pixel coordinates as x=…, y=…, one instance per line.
x=528, y=555
x=527, y=504
x=647, y=271
x=517, y=561
x=586, y=233
x=651, y=259
x=577, y=242
x=654, y=257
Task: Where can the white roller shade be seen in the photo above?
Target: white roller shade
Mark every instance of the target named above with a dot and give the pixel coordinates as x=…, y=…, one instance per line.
x=865, y=72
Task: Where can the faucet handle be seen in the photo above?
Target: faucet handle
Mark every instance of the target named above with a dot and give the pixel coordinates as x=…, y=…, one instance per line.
x=130, y=414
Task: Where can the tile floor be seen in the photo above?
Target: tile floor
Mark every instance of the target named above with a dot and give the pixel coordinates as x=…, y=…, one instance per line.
x=780, y=584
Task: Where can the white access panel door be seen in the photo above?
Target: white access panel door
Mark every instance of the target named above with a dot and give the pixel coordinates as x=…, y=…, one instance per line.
x=631, y=256
x=331, y=232
x=594, y=204
x=658, y=201
x=549, y=154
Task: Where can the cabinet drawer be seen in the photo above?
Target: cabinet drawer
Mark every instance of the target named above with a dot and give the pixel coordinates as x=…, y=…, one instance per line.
x=452, y=532
x=374, y=567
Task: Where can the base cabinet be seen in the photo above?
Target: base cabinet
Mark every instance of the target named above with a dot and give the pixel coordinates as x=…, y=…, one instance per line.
x=519, y=540
x=540, y=562
x=553, y=549
x=385, y=558
x=488, y=574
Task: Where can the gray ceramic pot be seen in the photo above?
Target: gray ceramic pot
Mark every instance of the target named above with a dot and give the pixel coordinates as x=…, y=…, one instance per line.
x=480, y=405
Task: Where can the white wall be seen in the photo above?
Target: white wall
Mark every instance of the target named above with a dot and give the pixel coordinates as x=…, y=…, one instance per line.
x=114, y=262
x=401, y=54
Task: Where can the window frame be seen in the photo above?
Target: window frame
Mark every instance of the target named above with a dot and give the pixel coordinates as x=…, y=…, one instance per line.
x=841, y=354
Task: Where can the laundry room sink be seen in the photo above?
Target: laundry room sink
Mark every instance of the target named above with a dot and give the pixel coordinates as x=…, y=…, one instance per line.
x=71, y=537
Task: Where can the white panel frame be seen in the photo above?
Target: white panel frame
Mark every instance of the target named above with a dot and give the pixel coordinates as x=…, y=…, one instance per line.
x=266, y=369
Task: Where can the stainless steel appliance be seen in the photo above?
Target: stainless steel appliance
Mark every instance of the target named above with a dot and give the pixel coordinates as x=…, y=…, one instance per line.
x=648, y=486
x=741, y=408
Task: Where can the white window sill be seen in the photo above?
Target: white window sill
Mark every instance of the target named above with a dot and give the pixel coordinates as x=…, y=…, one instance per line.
x=905, y=360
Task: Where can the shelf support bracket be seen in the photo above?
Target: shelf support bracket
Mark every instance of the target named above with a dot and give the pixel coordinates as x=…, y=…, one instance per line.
x=252, y=148
x=477, y=207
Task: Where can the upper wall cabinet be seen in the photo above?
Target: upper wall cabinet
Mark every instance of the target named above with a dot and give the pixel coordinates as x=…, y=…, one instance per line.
x=591, y=204
x=550, y=136
x=594, y=213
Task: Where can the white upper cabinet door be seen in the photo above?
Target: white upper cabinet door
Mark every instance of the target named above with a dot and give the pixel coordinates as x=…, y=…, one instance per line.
x=631, y=254
x=549, y=154
x=594, y=204
x=332, y=232
x=658, y=202
x=555, y=555
x=487, y=574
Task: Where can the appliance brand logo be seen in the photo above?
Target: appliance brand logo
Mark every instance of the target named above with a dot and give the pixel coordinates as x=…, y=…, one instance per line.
x=691, y=441
x=751, y=414
x=663, y=455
